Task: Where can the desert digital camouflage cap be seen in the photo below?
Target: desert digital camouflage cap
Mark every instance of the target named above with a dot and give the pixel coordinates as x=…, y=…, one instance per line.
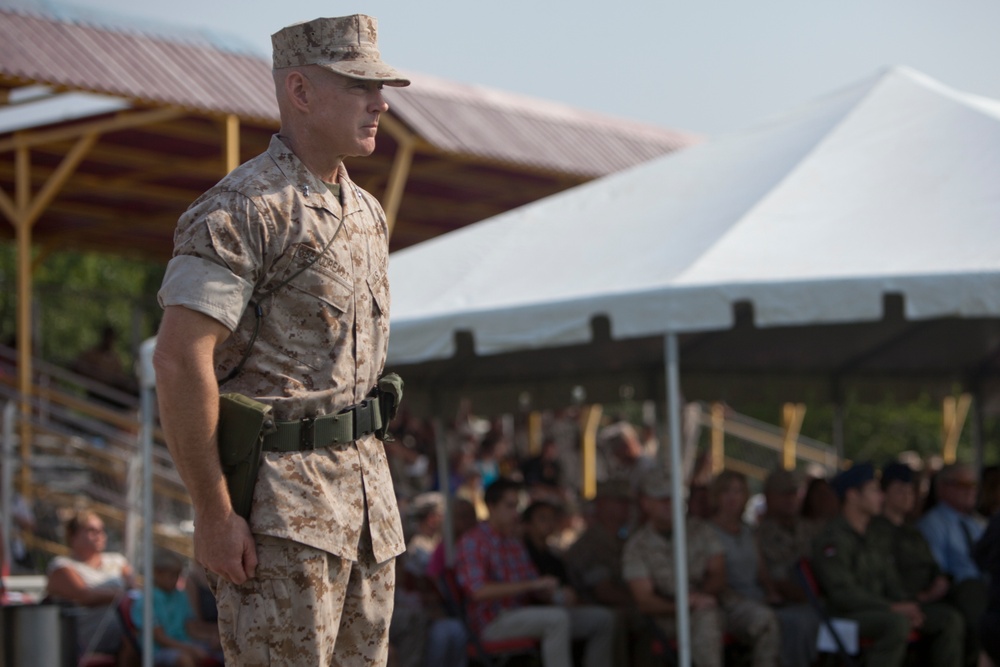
x=347, y=45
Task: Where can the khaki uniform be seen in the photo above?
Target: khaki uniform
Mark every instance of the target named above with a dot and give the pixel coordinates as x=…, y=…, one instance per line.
x=321, y=348
x=650, y=554
x=858, y=577
x=781, y=548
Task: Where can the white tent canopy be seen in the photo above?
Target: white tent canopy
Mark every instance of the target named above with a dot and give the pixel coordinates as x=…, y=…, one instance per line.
x=887, y=187
x=817, y=220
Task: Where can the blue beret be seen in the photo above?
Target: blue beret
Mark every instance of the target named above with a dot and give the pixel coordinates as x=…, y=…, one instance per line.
x=853, y=478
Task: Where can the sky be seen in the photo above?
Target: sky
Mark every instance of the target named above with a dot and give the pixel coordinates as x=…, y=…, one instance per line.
x=706, y=66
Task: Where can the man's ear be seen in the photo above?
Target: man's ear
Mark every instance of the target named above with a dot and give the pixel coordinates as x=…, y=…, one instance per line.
x=298, y=90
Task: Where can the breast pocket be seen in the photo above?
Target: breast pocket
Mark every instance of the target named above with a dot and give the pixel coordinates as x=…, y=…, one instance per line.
x=309, y=315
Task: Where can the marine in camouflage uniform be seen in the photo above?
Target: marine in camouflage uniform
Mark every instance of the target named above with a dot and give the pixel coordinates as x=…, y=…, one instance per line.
x=309, y=580
x=855, y=569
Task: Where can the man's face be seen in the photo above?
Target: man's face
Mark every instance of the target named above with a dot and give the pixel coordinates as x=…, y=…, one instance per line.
x=870, y=498
x=542, y=524
x=660, y=512
x=784, y=503
x=345, y=112
x=959, y=490
x=504, y=515
x=900, y=497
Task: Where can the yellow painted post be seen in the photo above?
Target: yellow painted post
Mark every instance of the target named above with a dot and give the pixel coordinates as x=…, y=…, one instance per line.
x=534, y=432
x=718, y=454
x=591, y=420
x=22, y=176
x=954, y=414
x=791, y=419
x=232, y=149
x=398, y=175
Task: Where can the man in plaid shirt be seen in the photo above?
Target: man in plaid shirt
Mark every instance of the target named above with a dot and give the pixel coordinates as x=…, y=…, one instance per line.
x=506, y=598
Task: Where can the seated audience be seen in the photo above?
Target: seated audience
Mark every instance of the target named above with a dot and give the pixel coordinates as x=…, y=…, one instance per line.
x=538, y=523
x=620, y=455
x=856, y=573
x=505, y=597
x=94, y=580
x=648, y=567
x=987, y=555
x=820, y=503
x=952, y=529
x=594, y=565
x=179, y=638
x=784, y=536
x=919, y=572
x=544, y=470
x=748, y=579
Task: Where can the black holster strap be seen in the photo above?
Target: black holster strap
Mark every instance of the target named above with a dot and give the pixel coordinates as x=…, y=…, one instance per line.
x=307, y=434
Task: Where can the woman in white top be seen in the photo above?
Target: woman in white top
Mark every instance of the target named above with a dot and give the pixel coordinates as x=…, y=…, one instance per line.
x=93, y=580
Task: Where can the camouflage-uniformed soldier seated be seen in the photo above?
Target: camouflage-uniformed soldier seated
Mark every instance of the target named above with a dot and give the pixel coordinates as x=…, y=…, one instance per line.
x=858, y=577
x=648, y=567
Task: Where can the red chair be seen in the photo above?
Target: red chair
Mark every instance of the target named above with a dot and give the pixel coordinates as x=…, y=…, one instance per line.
x=492, y=653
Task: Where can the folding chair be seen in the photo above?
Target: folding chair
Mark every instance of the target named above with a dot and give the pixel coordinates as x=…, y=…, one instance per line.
x=495, y=653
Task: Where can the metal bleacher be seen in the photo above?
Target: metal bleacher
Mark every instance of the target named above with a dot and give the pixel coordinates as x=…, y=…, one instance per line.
x=84, y=453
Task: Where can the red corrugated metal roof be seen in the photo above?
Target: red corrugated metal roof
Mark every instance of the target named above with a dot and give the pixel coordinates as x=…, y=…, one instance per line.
x=468, y=119
x=198, y=75
x=136, y=66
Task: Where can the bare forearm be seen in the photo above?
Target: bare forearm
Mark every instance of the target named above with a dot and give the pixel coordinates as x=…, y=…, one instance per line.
x=188, y=396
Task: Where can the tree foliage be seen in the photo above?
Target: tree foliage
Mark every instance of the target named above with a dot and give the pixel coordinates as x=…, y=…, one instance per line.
x=76, y=295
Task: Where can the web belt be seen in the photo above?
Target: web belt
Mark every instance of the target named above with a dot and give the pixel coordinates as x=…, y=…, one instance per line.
x=308, y=434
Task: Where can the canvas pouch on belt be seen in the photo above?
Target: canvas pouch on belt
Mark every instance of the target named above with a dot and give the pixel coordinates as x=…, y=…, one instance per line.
x=243, y=423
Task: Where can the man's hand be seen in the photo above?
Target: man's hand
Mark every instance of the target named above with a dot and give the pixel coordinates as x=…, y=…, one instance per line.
x=912, y=612
x=937, y=590
x=698, y=600
x=225, y=546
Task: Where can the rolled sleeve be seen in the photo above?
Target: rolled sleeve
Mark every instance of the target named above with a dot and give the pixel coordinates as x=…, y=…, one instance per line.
x=206, y=287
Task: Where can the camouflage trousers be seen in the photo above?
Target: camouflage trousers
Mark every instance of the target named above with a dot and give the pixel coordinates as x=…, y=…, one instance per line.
x=307, y=607
x=706, y=635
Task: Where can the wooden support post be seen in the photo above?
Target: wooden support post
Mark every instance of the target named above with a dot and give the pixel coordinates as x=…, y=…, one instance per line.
x=23, y=212
x=398, y=176
x=534, y=433
x=22, y=188
x=590, y=421
x=232, y=149
x=792, y=415
x=718, y=452
x=954, y=413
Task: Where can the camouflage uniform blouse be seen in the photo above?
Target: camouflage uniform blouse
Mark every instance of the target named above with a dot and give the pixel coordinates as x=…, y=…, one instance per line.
x=322, y=341
x=650, y=554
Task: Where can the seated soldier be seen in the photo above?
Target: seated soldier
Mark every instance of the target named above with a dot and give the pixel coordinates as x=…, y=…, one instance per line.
x=856, y=573
x=919, y=573
x=648, y=567
x=783, y=535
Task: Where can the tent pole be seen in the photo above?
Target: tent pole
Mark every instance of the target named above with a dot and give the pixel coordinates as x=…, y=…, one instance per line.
x=838, y=421
x=444, y=487
x=677, y=484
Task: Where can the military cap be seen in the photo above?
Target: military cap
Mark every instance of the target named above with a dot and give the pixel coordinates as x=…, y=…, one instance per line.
x=781, y=481
x=655, y=483
x=896, y=472
x=853, y=478
x=347, y=45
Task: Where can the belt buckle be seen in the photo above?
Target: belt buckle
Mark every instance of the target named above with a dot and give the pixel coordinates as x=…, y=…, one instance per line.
x=363, y=422
x=307, y=433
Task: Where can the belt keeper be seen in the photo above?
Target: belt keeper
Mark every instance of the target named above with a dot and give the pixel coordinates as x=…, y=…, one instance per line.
x=307, y=431
x=363, y=425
